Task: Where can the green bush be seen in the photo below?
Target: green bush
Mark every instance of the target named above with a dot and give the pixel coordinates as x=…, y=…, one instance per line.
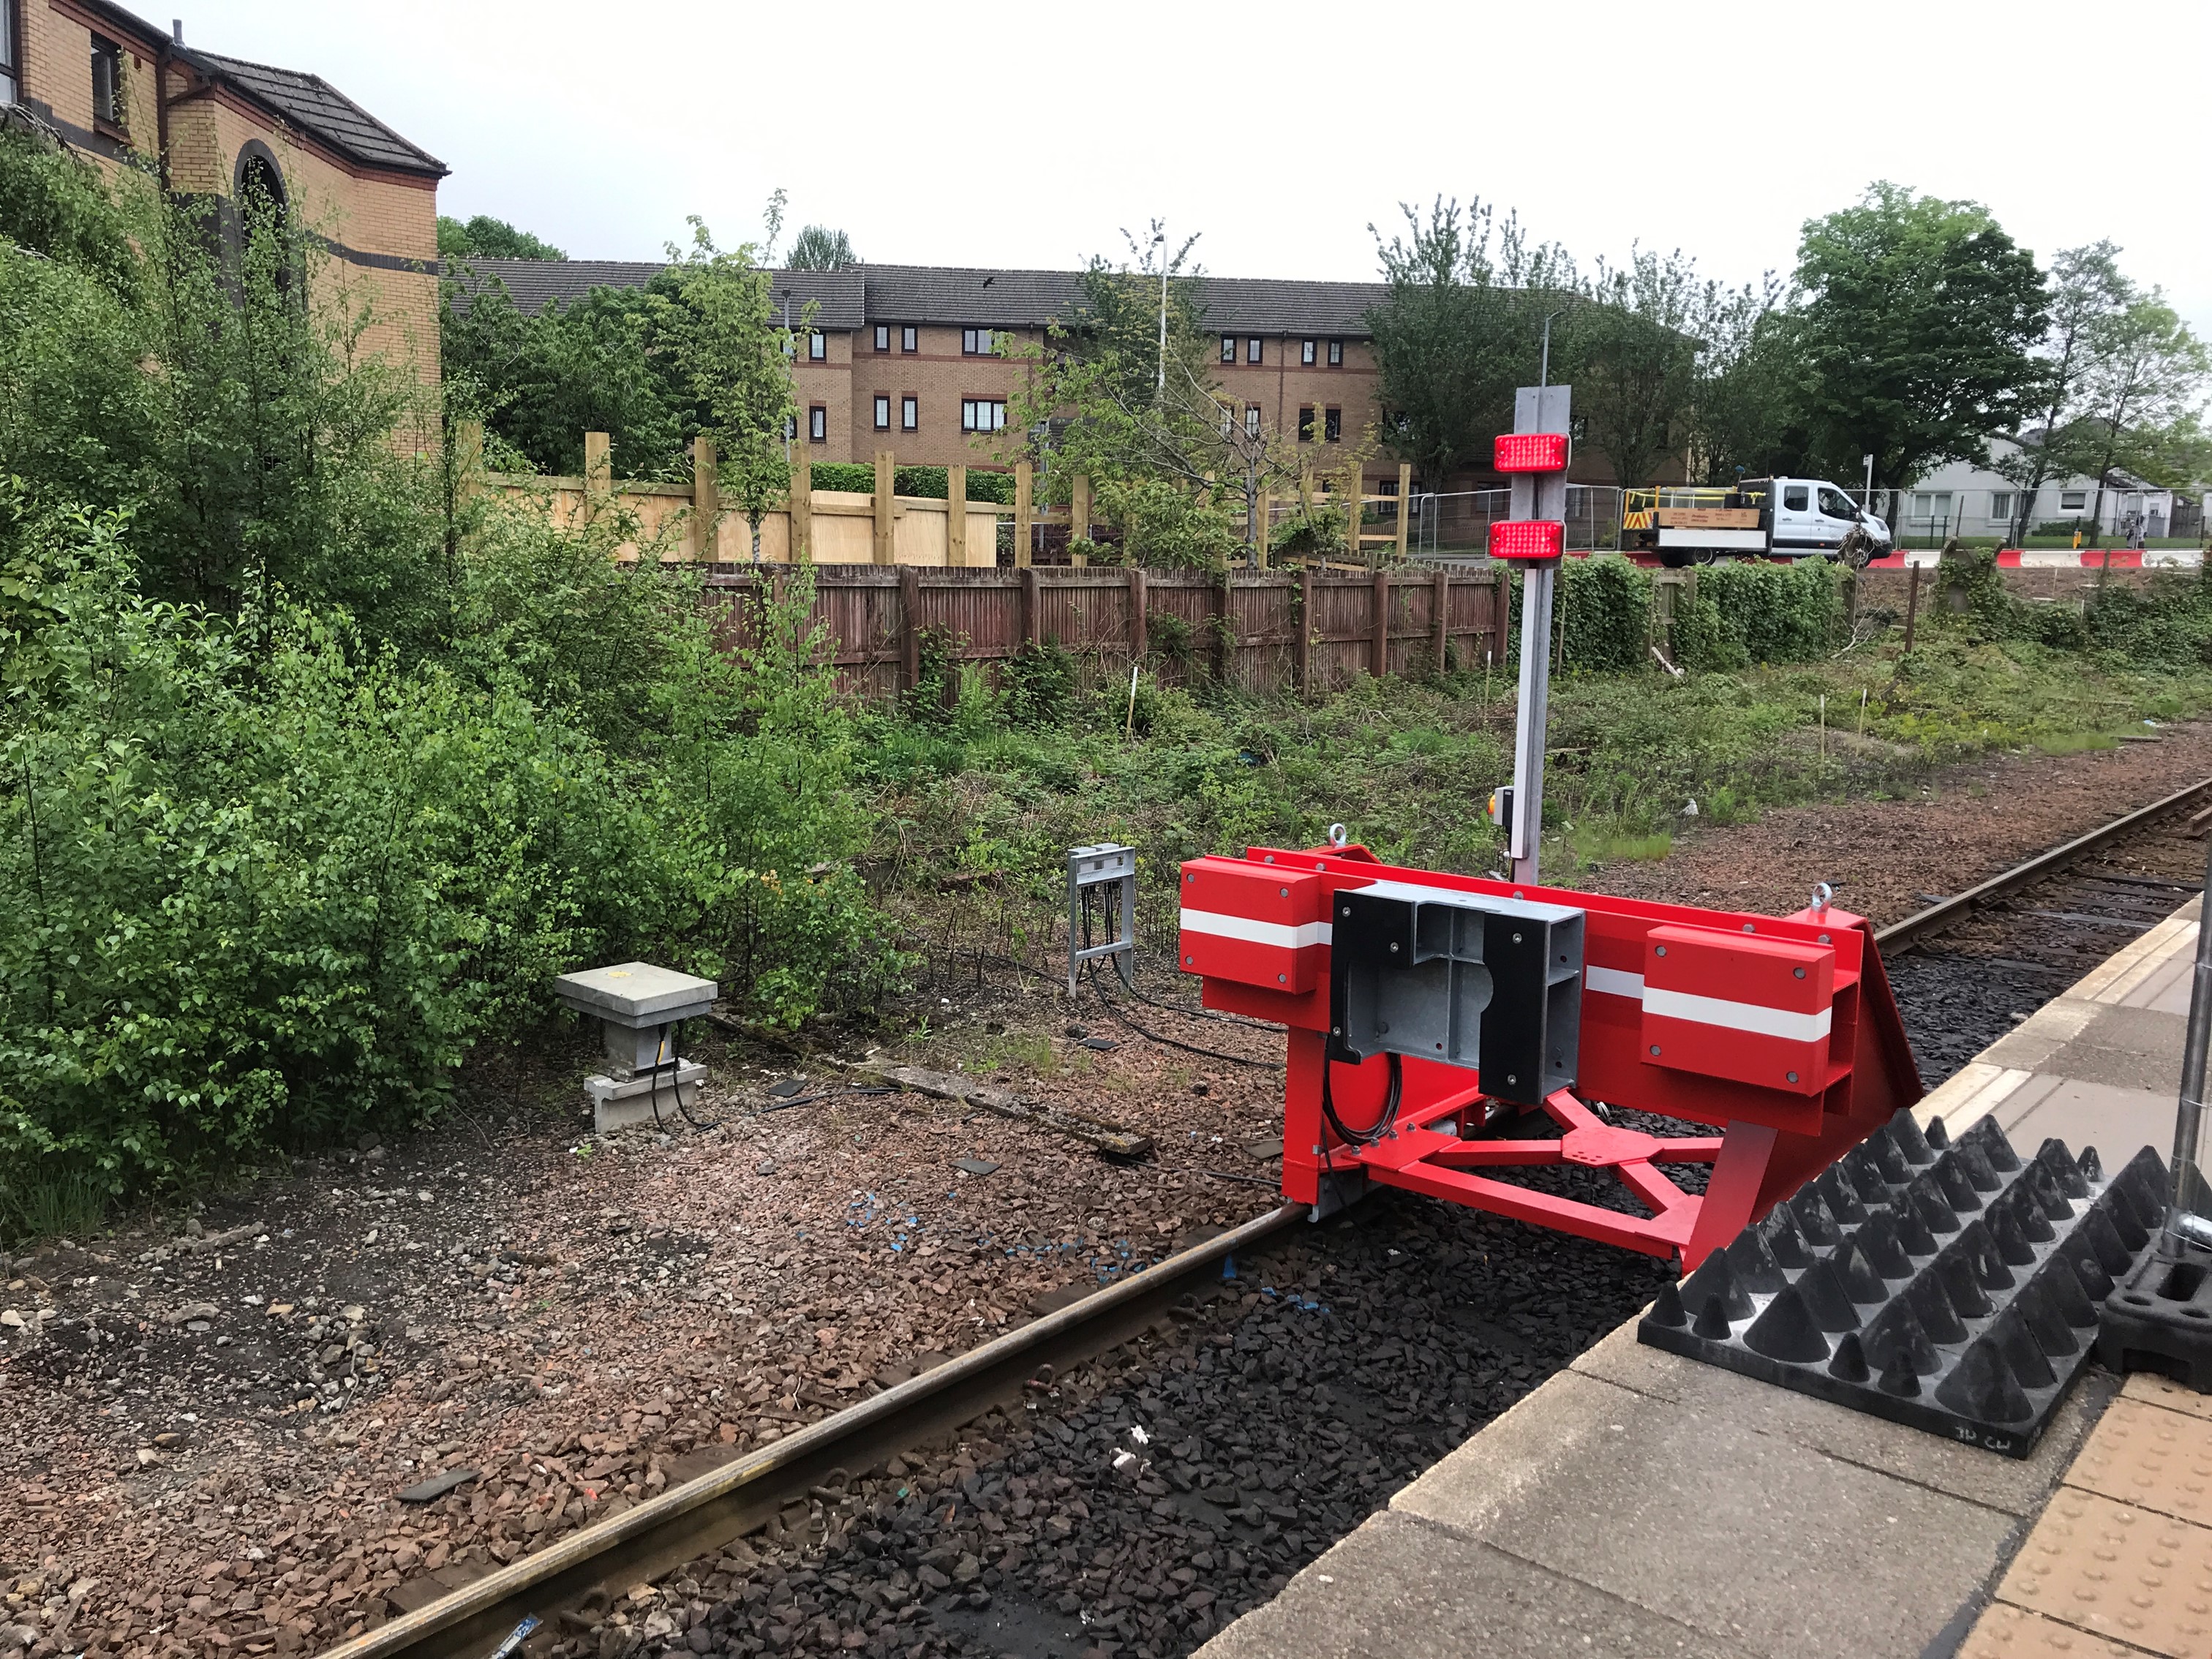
x=1757, y=613
x=1604, y=614
x=922, y=483
x=844, y=475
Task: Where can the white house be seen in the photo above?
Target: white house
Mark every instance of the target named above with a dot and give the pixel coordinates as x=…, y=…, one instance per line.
x=1962, y=498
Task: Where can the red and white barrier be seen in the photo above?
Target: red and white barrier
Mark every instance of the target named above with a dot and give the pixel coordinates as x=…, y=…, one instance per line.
x=2061, y=558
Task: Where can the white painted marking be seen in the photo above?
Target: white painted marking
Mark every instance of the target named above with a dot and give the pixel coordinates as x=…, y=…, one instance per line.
x=1282, y=934
x=1614, y=981
x=1752, y=1017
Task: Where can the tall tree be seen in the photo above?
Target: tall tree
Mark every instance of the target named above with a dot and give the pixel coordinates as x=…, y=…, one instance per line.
x=1917, y=332
x=1631, y=352
x=1741, y=409
x=818, y=247
x=1458, y=328
x=2086, y=288
x=486, y=238
x=2146, y=369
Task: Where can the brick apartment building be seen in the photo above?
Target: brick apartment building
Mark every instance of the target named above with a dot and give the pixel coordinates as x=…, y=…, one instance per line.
x=904, y=357
x=114, y=86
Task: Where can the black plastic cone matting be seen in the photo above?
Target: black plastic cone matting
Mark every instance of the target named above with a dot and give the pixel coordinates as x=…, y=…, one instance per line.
x=1952, y=1287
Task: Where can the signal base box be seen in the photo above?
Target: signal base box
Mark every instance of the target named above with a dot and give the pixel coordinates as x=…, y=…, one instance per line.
x=1463, y=979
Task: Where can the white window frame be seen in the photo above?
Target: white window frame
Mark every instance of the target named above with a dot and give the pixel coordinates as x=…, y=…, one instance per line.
x=910, y=338
x=1256, y=349
x=1308, y=352
x=2072, y=500
x=817, y=347
x=883, y=337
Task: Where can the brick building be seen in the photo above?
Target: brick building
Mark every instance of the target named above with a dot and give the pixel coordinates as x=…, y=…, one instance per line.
x=904, y=357
x=116, y=88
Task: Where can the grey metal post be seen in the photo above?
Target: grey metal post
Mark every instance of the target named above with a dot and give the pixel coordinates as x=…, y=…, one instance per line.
x=1536, y=496
x=2186, y=1221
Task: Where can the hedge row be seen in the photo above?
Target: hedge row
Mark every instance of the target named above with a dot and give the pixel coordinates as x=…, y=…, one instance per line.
x=924, y=482
x=1735, y=615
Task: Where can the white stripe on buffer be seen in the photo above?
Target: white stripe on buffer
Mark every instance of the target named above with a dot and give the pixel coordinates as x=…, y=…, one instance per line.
x=1282, y=934
x=1614, y=981
x=1752, y=1017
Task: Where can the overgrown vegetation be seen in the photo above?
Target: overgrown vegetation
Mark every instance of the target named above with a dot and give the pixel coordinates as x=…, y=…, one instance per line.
x=312, y=782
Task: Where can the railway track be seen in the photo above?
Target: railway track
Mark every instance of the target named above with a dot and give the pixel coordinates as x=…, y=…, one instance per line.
x=1269, y=1394
x=1973, y=964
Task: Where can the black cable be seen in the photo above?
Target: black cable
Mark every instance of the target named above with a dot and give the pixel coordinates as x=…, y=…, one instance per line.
x=676, y=1065
x=1130, y=983
x=1165, y=1042
x=1384, y=1122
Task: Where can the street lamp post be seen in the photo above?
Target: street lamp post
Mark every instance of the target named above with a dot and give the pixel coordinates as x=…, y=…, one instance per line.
x=1160, y=241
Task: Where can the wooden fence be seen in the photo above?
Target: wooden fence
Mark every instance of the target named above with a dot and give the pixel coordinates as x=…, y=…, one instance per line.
x=1256, y=631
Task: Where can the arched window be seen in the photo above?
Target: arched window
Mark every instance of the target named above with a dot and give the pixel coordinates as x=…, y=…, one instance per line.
x=265, y=230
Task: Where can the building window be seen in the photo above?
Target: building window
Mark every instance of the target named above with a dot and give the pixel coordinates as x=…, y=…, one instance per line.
x=1251, y=350
x=818, y=348
x=1251, y=420
x=1332, y=425
x=982, y=414
x=883, y=337
x=817, y=425
x=9, y=84
x=1306, y=353
x=1336, y=353
x=909, y=413
x=883, y=412
x=907, y=342
x=106, y=82
x=1305, y=423
x=1229, y=347
x=2000, y=504
x=975, y=341
x=2072, y=500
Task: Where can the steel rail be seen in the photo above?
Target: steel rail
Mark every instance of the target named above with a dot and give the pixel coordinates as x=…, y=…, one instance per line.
x=1937, y=917
x=700, y=1516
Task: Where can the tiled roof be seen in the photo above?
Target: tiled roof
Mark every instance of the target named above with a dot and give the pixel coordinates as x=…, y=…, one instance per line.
x=321, y=110
x=838, y=295
x=968, y=297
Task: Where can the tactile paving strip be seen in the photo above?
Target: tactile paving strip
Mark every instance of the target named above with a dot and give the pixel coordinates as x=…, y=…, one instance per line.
x=2015, y=1633
x=2122, y=1572
x=2149, y=1457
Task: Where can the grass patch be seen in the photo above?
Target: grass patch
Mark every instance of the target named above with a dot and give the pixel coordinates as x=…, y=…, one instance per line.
x=2075, y=743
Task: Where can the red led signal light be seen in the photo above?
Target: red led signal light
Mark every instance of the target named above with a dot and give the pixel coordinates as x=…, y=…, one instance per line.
x=1528, y=538
x=1532, y=452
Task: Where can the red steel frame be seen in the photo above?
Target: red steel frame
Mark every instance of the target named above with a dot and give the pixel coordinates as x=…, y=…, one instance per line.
x=1773, y=1140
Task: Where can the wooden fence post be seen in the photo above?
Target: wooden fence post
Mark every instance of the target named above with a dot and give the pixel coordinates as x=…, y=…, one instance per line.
x=909, y=635
x=1137, y=640
x=599, y=470
x=706, y=497
x=1032, y=622
x=1405, y=504
x=1501, y=612
x=1267, y=511
x=1079, y=517
x=1913, y=608
x=1024, y=478
x=1443, y=621
x=956, y=516
x=1378, y=643
x=1302, y=656
x=883, y=508
x=800, y=505
x=1218, y=625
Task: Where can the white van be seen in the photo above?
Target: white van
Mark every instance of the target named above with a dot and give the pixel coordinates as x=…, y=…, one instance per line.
x=1681, y=525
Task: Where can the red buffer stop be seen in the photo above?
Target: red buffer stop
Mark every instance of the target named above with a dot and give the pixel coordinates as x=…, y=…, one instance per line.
x=1436, y=1020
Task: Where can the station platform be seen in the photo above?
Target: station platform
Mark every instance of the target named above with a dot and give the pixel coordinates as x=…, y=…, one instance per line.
x=1642, y=1504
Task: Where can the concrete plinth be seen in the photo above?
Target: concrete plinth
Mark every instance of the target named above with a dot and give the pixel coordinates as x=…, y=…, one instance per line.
x=625, y=1102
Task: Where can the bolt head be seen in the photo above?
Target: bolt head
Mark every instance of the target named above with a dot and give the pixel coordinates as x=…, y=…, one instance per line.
x=1655, y=1047
x=1798, y=972
x=1658, y=950
x=1792, y=1076
x=1282, y=979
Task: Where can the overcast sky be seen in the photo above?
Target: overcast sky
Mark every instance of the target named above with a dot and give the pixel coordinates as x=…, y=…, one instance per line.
x=1001, y=135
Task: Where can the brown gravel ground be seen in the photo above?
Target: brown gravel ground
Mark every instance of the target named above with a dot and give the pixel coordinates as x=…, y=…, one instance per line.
x=207, y=1435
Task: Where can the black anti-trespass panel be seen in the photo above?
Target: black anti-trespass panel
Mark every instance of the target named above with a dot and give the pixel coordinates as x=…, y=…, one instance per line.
x=1952, y=1287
